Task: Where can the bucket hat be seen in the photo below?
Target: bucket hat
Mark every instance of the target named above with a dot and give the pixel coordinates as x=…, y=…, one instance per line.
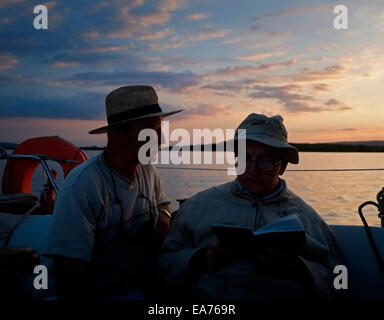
x=269, y=131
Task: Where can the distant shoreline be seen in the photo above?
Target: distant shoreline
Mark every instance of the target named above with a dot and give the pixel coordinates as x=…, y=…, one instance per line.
x=302, y=147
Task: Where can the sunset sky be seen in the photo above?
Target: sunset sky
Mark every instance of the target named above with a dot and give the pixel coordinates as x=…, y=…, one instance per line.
x=218, y=59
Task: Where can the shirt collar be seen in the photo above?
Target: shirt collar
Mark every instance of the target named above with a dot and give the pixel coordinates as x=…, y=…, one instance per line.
x=102, y=155
x=267, y=197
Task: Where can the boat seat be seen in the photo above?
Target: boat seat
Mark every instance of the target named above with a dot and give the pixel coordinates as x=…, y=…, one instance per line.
x=19, y=260
x=31, y=233
x=366, y=281
x=18, y=203
x=16, y=264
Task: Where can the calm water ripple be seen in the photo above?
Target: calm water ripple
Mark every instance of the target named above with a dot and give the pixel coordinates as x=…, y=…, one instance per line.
x=334, y=195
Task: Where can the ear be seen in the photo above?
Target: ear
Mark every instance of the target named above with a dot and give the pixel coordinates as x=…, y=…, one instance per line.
x=283, y=167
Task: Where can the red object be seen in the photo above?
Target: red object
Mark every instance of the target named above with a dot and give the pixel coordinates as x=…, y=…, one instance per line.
x=47, y=196
x=17, y=177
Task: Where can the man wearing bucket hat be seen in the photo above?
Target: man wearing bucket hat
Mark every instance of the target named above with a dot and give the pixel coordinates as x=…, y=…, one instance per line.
x=192, y=257
x=111, y=213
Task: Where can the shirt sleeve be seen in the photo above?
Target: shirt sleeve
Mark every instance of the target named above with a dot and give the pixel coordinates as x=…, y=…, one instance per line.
x=320, y=263
x=72, y=229
x=175, y=254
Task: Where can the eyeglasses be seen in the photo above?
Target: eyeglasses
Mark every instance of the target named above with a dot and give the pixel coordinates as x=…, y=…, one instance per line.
x=264, y=163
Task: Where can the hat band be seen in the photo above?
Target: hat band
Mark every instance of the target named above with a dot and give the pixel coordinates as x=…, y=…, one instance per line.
x=130, y=114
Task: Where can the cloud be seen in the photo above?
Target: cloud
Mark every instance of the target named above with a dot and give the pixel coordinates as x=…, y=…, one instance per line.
x=54, y=104
x=170, y=81
x=199, y=111
x=334, y=72
x=178, y=42
x=20, y=38
x=196, y=16
x=333, y=102
x=275, y=35
x=255, y=27
x=12, y=78
x=5, y=3
x=5, y=20
x=207, y=110
x=246, y=70
x=233, y=40
x=321, y=87
x=7, y=61
x=284, y=12
x=286, y=95
x=102, y=49
x=282, y=93
x=50, y=4
x=208, y=34
x=166, y=62
x=166, y=46
x=92, y=34
x=349, y=129
x=135, y=24
x=331, y=72
x=63, y=64
x=156, y=35
x=257, y=56
x=277, y=14
x=345, y=108
x=236, y=85
x=98, y=56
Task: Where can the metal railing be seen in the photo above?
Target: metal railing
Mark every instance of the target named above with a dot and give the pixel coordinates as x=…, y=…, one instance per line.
x=42, y=159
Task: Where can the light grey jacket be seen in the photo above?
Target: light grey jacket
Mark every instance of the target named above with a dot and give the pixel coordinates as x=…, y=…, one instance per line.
x=225, y=204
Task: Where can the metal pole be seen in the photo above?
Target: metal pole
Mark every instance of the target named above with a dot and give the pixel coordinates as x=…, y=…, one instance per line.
x=49, y=174
x=42, y=162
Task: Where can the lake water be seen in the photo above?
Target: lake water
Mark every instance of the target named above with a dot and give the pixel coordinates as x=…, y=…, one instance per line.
x=334, y=195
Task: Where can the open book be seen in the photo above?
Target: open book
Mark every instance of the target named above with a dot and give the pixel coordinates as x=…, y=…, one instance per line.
x=286, y=233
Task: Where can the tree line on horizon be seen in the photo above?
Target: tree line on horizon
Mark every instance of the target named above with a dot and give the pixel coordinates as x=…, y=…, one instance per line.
x=302, y=147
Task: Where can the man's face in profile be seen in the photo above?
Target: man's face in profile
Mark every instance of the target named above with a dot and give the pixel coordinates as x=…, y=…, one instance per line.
x=126, y=136
x=264, y=164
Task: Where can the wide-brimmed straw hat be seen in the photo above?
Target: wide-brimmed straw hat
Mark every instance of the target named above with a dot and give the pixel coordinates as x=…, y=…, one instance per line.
x=269, y=131
x=131, y=103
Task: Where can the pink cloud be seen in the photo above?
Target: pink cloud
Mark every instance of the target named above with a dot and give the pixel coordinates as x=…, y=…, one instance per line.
x=5, y=20
x=5, y=3
x=7, y=61
x=156, y=35
x=257, y=56
x=133, y=25
x=209, y=34
x=63, y=64
x=196, y=16
x=233, y=40
x=103, y=49
x=331, y=72
x=92, y=35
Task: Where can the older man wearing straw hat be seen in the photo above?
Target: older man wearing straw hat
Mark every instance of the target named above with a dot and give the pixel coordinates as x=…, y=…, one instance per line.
x=111, y=213
x=208, y=265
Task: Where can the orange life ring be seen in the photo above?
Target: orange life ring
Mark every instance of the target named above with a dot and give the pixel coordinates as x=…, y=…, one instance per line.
x=17, y=177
